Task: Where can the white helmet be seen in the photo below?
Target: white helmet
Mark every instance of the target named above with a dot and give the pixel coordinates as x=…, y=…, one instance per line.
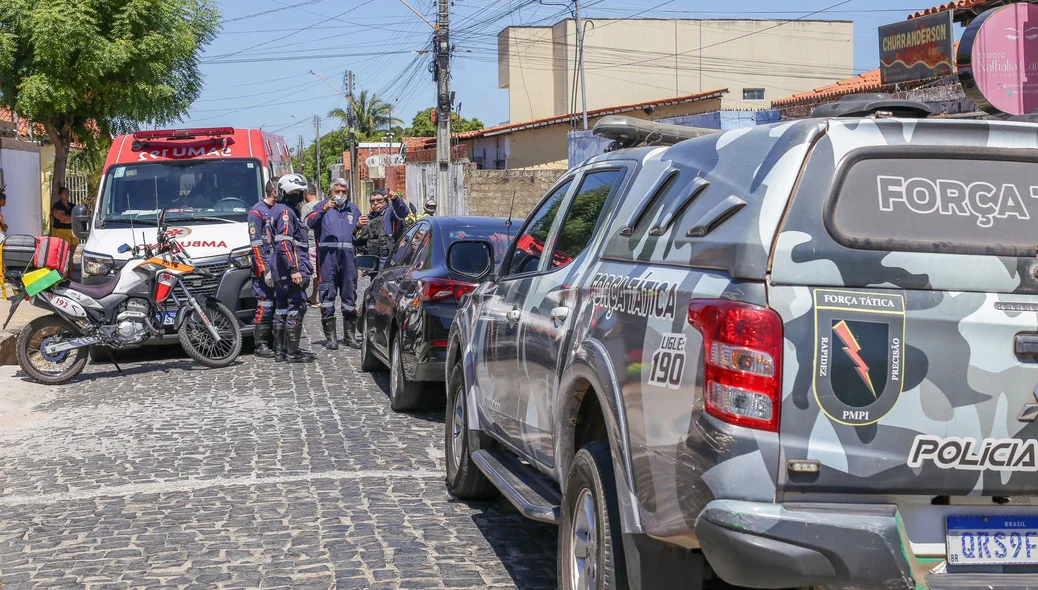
x=291, y=186
x=430, y=206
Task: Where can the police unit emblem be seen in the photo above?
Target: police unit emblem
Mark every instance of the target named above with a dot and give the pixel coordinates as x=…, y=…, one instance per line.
x=859, y=346
x=252, y=228
x=349, y=218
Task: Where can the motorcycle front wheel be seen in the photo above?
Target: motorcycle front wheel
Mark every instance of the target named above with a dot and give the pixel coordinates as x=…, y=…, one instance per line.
x=199, y=343
x=39, y=366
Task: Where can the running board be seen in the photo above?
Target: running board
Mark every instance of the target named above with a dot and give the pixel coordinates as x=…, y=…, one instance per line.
x=972, y=581
x=532, y=494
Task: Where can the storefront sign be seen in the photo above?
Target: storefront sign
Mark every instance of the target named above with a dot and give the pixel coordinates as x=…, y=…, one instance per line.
x=998, y=59
x=916, y=49
x=385, y=160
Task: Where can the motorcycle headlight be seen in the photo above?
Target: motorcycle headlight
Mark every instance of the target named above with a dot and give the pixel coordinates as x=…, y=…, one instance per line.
x=241, y=257
x=94, y=264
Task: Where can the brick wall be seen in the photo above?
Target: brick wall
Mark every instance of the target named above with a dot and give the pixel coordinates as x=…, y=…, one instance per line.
x=489, y=192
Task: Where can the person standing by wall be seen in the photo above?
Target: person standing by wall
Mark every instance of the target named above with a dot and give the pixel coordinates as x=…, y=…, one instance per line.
x=61, y=219
x=308, y=208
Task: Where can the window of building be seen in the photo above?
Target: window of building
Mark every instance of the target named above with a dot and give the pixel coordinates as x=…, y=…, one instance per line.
x=753, y=94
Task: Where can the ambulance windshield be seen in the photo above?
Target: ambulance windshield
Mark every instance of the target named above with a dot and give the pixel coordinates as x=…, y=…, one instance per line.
x=199, y=190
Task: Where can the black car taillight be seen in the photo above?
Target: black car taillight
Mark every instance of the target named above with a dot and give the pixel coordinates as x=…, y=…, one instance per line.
x=433, y=289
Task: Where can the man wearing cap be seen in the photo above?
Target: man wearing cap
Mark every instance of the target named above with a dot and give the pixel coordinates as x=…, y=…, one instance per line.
x=334, y=222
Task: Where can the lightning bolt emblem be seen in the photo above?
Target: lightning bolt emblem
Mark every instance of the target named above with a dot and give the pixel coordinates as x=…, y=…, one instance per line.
x=852, y=348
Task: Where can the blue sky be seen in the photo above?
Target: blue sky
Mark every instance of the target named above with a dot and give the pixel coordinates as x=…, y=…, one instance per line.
x=257, y=70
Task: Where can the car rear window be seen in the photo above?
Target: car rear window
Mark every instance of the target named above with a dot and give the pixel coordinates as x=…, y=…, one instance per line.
x=948, y=201
x=498, y=237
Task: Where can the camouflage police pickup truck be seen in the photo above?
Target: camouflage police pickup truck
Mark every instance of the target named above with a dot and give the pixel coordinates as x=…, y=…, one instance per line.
x=795, y=355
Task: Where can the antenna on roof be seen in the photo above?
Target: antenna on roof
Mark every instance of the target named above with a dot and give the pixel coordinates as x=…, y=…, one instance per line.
x=511, y=208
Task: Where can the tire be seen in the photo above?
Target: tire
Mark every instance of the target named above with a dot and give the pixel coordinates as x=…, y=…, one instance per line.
x=194, y=337
x=464, y=480
x=32, y=337
x=589, y=506
x=404, y=394
x=368, y=361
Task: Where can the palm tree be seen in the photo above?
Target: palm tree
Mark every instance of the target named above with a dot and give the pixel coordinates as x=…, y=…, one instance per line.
x=373, y=115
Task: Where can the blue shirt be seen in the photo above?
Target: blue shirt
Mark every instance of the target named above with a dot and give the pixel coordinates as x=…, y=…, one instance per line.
x=259, y=239
x=290, y=243
x=335, y=225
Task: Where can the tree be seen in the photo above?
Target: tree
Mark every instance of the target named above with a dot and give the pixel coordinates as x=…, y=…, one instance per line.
x=374, y=117
x=422, y=125
x=86, y=69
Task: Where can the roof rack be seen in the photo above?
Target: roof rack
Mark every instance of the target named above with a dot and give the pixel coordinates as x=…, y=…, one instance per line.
x=629, y=131
x=878, y=104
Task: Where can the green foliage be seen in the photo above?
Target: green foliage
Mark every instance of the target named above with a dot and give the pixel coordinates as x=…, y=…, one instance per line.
x=374, y=117
x=422, y=125
x=88, y=68
x=333, y=144
x=90, y=161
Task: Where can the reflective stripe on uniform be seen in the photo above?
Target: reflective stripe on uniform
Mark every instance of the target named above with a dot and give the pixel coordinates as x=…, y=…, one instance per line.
x=256, y=243
x=336, y=245
x=265, y=304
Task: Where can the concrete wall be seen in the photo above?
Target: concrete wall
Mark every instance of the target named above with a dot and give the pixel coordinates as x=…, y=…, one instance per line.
x=637, y=60
x=490, y=192
x=20, y=162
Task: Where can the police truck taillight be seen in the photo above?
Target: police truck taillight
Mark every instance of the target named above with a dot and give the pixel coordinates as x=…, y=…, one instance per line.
x=164, y=286
x=432, y=289
x=742, y=347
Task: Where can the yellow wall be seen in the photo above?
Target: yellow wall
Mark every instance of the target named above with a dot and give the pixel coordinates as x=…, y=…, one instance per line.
x=638, y=60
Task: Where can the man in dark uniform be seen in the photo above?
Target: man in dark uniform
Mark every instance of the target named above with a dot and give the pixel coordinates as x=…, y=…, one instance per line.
x=262, y=276
x=335, y=221
x=290, y=263
x=372, y=238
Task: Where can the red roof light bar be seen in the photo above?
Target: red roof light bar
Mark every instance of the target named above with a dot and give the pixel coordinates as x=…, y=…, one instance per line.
x=184, y=133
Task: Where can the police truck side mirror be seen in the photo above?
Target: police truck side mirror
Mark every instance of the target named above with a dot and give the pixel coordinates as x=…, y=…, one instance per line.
x=80, y=222
x=472, y=258
x=367, y=263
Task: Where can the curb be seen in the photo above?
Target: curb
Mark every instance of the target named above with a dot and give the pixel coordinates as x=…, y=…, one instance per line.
x=8, y=355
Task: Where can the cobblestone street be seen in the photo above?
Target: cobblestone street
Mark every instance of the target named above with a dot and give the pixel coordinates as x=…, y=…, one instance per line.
x=172, y=476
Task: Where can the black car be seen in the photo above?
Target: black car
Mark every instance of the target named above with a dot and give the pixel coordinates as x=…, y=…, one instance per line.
x=406, y=312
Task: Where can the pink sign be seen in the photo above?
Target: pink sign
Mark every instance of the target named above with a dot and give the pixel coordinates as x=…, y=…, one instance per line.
x=998, y=59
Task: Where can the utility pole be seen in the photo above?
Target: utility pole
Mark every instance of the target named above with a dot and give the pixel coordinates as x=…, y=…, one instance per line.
x=443, y=107
x=317, y=146
x=352, y=116
x=580, y=61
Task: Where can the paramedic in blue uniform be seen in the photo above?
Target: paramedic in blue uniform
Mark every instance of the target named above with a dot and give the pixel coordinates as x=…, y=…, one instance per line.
x=290, y=263
x=262, y=278
x=336, y=220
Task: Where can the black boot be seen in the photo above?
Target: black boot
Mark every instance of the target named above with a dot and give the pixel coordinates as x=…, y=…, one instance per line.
x=279, y=343
x=331, y=338
x=349, y=333
x=261, y=334
x=293, y=334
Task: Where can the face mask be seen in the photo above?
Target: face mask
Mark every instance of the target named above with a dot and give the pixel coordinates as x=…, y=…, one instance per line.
x=339, y=200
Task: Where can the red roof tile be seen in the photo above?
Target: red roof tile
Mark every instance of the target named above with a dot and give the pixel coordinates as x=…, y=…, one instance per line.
x=869, y=81
x=626, y=108
x=959, y=5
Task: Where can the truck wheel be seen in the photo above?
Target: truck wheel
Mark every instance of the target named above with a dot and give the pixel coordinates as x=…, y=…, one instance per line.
x=464, y=480
x=590, y=548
